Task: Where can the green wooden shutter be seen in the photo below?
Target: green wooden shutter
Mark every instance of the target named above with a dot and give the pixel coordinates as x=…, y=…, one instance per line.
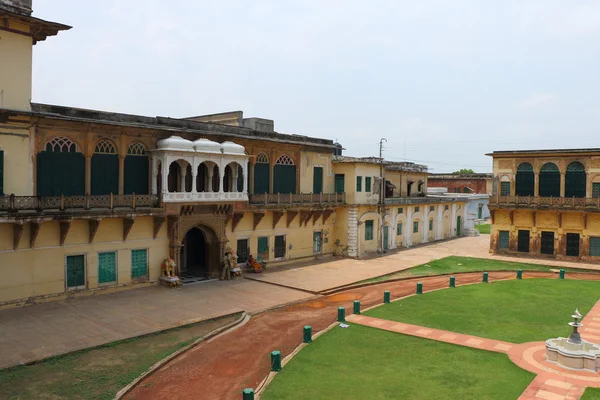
x=504, y=188
x=385, y=237
x=359, y=183
x=430, y=224
x=105, y=174
x=279, y=246
x=139, y=263
x=107, y=267
x=284, y=179
x=339, y=183
x=503, y=239
x=60, y=173
x=263, y=248
x=458, y=227
x=369, y=230
x=242, y=250
x=595, y=246
x=415, y=226
x=318, y=180
x=75, y=271
x=136, y=175
x=595, y=189
x=367, y=184
x=317, y=242
x=1, y=172
x=261, y=178
x=399, y=229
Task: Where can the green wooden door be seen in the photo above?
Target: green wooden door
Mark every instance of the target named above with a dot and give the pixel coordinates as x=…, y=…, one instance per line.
x=105, y=174
x=107, y=267
x=279, y=246
x=339, y=183
x=139, y=264
x=60, y=173
x=263, y=248
x=318, y=180
x=136, y=175
x=317, y=242
x=261, y=178
x=75, y=271
x=385, y=238
x=458, y=226
x=284, y=179
x=480, y=212
x=549, y=181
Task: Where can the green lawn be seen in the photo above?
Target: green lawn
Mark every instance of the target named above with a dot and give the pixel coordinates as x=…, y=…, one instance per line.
x=591, y=394
x=515, y=311
x=453, y=264
x=484, y=228
x=98, y=373
x=366, y=363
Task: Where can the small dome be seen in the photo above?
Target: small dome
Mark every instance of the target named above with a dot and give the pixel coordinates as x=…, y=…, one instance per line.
x=207, y=146
x=232, y=148
x=175, y=143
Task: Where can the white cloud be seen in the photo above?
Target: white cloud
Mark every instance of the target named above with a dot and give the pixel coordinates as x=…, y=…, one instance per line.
x=538, y=100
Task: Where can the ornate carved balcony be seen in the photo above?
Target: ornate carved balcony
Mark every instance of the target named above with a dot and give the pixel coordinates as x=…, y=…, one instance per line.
x=63, y=204
x=297, y=200
x=419, y=200
x=200, y=197
x=542, y=203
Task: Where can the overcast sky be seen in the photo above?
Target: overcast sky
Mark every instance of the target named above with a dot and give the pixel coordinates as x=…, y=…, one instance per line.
x=443, y=81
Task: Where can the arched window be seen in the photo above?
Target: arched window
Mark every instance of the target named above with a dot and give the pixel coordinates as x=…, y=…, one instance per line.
x=105, y=168
x=216, y=179
x=549, y=180
x=60, y=169
x=525, y=181
x=136, y=169
x=575, y=180
x=189, y=178
x=284, y=175
x=174, y=178
x=105, y=146
x=201, y=178
x=262, y=174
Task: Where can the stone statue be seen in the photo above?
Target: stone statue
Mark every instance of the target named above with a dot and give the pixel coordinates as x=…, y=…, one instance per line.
x=168, y=267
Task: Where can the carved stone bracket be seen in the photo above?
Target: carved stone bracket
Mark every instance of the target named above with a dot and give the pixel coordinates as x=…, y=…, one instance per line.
x=186, y=210
x=158, y=223
x=326, y=215
x=290, y=217
x=65, y=226
x=34, y=230
x=127, y=225
x=316, y=216
x=17, y=233
x=93, y=225
x=305, y=217
x=258, y=216
x=235, y=220
x=276, y=217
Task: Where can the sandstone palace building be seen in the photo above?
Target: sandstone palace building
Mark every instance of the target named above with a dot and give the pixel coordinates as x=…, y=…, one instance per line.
x=94, y=201
x=547, y=203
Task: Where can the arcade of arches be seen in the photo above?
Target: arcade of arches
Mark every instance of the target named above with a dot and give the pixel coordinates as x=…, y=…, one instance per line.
x=549, y=182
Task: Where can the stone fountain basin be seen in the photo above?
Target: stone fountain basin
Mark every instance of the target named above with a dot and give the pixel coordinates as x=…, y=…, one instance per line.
x=584, y=355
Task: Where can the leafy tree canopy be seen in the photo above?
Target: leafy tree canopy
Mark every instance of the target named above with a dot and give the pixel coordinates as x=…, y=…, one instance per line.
x=464, y=171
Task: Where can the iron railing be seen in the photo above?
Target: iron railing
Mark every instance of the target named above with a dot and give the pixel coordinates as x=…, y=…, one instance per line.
x=282, y=199
x=12, y=203
x=419, y=200
x=591, y=203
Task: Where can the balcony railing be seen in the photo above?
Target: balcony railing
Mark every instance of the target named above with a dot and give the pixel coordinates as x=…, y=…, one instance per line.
x=14, y=203
x=545, y=202
x=283, y=199
x=418, y=200
x=203, y=197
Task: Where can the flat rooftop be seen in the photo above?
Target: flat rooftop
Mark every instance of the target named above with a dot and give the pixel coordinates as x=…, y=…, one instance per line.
x=548, y=152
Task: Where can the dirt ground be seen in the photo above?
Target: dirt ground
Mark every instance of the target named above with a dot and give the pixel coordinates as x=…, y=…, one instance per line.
x=221, y=368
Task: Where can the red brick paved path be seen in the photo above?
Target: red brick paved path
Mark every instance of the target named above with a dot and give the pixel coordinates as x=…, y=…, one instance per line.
x=552, y=381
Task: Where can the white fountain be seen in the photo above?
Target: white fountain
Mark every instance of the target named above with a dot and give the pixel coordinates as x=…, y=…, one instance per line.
x=574, y=352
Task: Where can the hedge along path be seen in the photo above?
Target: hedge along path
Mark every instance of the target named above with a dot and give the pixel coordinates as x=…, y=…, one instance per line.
x=222, y=368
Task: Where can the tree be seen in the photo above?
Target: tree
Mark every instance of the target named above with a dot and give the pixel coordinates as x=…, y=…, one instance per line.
x=464, y=171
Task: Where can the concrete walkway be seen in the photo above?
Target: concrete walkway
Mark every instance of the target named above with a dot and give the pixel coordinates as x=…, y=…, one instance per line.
x=39, y=331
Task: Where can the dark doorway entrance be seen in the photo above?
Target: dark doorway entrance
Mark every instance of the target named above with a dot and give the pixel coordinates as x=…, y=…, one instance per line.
x=195, y=257
x=573, y=244
x=547, y=245
x=523, y=241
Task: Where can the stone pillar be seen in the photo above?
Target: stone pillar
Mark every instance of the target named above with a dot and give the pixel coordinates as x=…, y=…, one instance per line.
x=165, y=175
x=453, y=221
x=271, y=176
x=562, y=184
x=88, y=174
x=352, y=232
x=121, y=174
x=234, y=173
x=426, y=224
x=408, y=228
x=182, y=180
x=250, y=169
x=208, y=183
x=536, y=184
x=221, y=176
x=439, y=234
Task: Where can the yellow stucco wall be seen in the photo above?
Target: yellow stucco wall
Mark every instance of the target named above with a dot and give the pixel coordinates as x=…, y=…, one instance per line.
x=298, y=238
x=308, y=161
x=41, y=271
x=15, y=64
x=18, y=165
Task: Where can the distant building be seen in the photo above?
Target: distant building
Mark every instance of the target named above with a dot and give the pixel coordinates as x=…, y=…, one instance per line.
x=547, y=202
x=476, y=207
x=462, y=183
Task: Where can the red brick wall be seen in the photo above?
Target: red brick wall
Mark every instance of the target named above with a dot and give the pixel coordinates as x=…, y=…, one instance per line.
x=478, y=185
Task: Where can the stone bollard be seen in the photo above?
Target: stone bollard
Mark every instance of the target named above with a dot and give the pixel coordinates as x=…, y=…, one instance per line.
x=276, y=361
x=419, y=288
x=341, y=314
x=452, y=281
x=519, y=274
x=357, y=307
x=386, y=296
x=307, y=334
x=485, y=277
x=248, y=394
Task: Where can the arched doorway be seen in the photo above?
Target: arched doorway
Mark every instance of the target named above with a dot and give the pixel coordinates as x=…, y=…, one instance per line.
x=549, y=180
x=525, y=180
x=195, y=258
x=575, y=180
